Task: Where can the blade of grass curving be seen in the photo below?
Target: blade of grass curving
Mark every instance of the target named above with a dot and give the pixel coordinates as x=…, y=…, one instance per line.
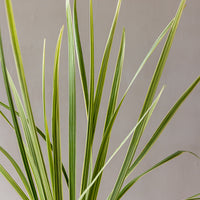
x=91, y=102
x=19, y=172
x=144, y=61
x=13, y=183
x=97, y=99
x=7, y=120
x=38, y=181
x=116, y=81
x=30, y=147
x=111, y=108
x=164, y=161
x=47, y=138
x=163, y=124
x=160, y=37
x=41, y=134
x=88, y=147
x=15, y=122
x=80, y=59
x=163, y=33
x=65, y=175
x=150, y=109
x=103, y=69
x=57, y=173
x=194, y=197
x=158, y=40
x=72, y=105
x=150, y=95
x=25, y=95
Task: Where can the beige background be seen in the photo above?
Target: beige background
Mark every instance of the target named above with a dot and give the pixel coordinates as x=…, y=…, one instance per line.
x=143, y=21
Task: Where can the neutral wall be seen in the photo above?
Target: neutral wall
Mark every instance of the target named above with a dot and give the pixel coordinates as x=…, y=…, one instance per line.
x=143, y=21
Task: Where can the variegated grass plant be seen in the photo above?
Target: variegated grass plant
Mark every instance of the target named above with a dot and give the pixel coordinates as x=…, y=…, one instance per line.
x=34, y=176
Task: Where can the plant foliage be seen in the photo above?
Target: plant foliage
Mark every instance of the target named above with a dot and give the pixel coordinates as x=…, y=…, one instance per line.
x=37, y=184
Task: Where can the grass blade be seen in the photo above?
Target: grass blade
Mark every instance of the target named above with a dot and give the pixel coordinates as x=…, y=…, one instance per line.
x=150, y=95
x=80, y=59
x=97, y=99
x=28, y=136
x=194, y=197
x=111, y=108
x=103, y=69
x=163, y=124
x=139, y=69
x=149, y=110
x=106, y=133
x=41, y=134
x=19, y=172
x=15, y=122
x=48, y=143
x=25, y=95
x=164, y=161
x=37, y=176
x=72, y=105
x=89, y=139
x=13, y=183
x=7, y=120
x=116, y=82
x=56, y=125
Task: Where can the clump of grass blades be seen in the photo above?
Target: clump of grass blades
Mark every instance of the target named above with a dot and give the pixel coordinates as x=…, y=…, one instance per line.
x=36, y=182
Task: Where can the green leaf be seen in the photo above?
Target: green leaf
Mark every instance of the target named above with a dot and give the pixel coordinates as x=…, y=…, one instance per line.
x=25, y=96
x=28, y=136
x=15, y=122
x=56, y=125
x=162, y=126
x=37, y=176
x=149, y=110
x=108, y=131
x=13, y=183
x=103, y=69
x=194, y=197
x=19, y=172
x=164, y=161
x=80, y=59
x=97, y=99
x=150, y=95
x=89, y=138
x=7, y=120
x=48, y=142
x=41, y=134
x=111, y=108
x=72, y=105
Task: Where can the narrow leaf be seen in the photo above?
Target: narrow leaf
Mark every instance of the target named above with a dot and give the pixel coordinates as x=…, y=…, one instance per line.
x=89, y=139
x=19, y=171
x=162, y=126
x=25, y=95
x=48, y=143
x=15, y=122
x=150, y=95
x=194, y=197
x=80, y=59
x=149, y=110
x=164, y=161
x=13, y=183
x=30, y=146
x=56, y=125
x=104, y=65
x=72, y=105
x=43, y=137
x=111, y=108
